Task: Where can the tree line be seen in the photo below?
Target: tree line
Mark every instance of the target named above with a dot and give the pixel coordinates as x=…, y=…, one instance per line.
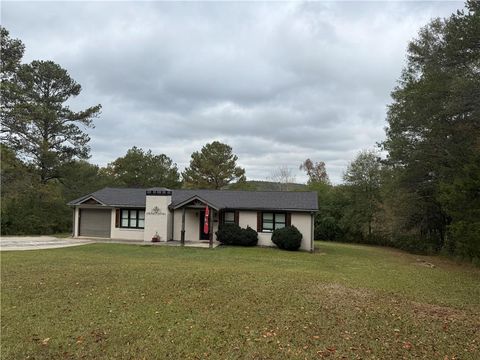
x=418, y=190
x=423, y=195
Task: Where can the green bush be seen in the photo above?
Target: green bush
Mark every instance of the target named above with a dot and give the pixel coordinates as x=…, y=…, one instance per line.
x=249, y=237
x=414, y=244
x=466, y=239
x=287, y=238
x=228, y=234
x=376, y=239
x=232, y=234
x=326, y=228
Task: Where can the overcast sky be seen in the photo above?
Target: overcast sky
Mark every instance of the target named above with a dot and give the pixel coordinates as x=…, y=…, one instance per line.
x=279, y=82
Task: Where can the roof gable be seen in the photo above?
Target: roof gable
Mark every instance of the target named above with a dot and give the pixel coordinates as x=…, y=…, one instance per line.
x=90, y=200
x=196, y=200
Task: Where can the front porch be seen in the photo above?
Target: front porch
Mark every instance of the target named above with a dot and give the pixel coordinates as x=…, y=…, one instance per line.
x=188, y=223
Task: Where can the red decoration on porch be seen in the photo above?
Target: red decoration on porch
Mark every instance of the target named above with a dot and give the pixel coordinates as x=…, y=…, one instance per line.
x=205, y=221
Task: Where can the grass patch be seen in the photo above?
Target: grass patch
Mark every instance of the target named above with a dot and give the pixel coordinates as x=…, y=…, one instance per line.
x=125, y=301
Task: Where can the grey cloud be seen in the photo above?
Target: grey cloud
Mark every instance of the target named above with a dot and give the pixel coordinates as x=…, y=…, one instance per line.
x=278, y=81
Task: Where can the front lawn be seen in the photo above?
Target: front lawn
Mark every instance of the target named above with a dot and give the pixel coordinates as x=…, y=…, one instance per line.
x=134, y=302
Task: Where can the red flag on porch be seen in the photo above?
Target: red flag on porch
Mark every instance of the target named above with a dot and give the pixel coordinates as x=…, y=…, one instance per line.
x=205, y=221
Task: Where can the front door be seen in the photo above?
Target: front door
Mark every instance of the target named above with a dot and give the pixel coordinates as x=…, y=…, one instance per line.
x=203, y=236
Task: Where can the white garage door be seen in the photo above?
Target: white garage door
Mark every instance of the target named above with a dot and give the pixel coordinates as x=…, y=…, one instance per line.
x=95, y=222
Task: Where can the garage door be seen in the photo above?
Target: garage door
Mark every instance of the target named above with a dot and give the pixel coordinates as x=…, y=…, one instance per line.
x=95, y=222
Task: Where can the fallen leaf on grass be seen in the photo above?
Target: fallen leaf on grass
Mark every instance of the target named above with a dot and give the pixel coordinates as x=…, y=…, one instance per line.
x=98, y=335
x=45, y=341
x=407, y=345
x=323, y=353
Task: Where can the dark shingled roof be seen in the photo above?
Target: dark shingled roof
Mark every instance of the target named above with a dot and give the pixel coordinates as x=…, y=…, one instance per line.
x=265, y=200
x=116, y=196
x=220, y=199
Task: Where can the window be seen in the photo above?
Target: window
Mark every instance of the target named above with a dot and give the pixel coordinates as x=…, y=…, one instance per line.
x=272, y=221
x=132, y=218
x=141, y=219
x=229, y=217
x=279, y=221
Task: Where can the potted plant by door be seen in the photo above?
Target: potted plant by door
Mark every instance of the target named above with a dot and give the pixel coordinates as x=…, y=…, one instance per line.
x=156, y=237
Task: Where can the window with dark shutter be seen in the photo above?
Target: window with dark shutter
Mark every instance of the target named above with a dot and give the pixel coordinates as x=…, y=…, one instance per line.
x=271, y=221
x=117, y=218
x=229, y=217
x=132, y=218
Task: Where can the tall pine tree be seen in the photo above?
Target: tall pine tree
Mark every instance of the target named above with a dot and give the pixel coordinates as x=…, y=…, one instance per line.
x=36, y=122
x=433, y=134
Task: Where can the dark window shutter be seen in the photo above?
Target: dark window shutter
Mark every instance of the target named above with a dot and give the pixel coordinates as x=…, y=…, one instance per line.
x=117, y=218
x=236, y=216
x=259, y=221
x=289, y=219
x=221, y=216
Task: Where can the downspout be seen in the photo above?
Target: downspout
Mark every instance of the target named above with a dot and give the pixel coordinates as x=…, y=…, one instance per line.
x=312, y=232
x=173, y=225
x=182, y=236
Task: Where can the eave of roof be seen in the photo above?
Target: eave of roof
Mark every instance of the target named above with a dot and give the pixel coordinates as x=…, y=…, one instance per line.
x=295, y=201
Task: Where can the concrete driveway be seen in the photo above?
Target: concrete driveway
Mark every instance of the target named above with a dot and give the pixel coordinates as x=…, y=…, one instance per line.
x=38, y=242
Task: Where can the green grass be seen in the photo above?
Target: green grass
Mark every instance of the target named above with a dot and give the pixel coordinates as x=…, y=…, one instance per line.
x=134, y=302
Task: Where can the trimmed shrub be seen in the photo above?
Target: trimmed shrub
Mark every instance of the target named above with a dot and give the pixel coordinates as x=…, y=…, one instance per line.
x=249, y=237
x=228, y=234
x=232, y=234
x=287, y=238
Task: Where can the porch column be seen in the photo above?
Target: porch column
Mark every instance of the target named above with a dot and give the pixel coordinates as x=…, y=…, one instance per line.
x=182, y=237
x=210, y=226
x=74, y=222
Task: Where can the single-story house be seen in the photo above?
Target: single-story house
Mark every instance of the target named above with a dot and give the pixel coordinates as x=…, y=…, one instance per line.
x=140, y=214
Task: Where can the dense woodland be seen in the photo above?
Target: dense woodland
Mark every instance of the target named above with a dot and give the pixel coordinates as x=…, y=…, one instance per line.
x=418, y=190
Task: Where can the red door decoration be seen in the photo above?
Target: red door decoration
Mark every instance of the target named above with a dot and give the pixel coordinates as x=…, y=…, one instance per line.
x=205, y=221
